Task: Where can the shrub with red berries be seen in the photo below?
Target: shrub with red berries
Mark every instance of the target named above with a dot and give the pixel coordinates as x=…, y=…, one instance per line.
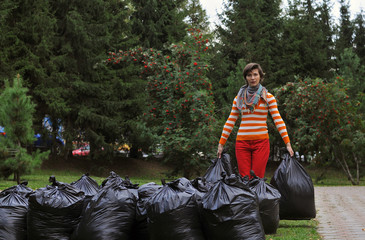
x=324, y=120
x=180, y=109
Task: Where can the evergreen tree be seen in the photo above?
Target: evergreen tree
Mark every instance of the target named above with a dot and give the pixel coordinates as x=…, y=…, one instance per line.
x=196, y=16
x=16, y=112
x=26, y=47
x=305, y=49
x=352, y=71
x=345, y=29
x=59, y=57
x=26, y=37
x=359, y=40
x=99, y=101
x=250, y=31
x=326, y=24
x=158, y=22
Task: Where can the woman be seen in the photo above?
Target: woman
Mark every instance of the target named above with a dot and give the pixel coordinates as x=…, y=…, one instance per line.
x=252, y=103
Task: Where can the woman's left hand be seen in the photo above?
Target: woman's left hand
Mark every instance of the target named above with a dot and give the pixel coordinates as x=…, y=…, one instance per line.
x=289, y=148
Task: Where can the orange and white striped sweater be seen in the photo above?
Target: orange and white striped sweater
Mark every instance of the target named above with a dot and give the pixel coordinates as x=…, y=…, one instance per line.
x=253, y=125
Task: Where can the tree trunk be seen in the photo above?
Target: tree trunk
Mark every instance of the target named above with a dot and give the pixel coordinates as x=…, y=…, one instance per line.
x=17, y=176
x=345, y=167
x=357, y=168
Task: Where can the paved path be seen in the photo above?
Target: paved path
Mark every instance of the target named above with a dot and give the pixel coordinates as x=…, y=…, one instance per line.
x=341, y=212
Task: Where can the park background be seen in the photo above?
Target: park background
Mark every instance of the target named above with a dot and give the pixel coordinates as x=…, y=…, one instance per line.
x=157, y=77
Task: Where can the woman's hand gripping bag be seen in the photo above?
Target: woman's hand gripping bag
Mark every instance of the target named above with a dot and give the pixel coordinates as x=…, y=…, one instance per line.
x=219, y=165
x=296, y=189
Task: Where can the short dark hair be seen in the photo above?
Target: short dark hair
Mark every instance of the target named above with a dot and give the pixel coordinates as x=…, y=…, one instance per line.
x=251, y=66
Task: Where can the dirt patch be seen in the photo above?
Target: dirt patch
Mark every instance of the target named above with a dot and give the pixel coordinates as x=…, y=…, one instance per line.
x=138, y=168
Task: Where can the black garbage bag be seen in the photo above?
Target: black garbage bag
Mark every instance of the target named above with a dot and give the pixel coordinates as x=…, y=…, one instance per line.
x=54, y=211
x=201, y=185
x=269, y=198
x=109, y=215
x=173, y=213
x=140, y=228
x=296, y=189
x=87, y=185
x=133, y=187
x=115, y=179
x=112, y=179
x=219, y=165
x=230, y=210
x=13, y=212
x=21, y=189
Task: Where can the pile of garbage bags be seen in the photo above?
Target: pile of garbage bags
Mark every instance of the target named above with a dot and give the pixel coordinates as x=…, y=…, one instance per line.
x=218, y=205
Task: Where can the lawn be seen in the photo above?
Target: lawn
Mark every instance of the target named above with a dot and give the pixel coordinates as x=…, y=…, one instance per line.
x=144, y=171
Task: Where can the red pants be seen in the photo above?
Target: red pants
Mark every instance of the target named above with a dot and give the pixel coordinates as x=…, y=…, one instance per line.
x=252, y=154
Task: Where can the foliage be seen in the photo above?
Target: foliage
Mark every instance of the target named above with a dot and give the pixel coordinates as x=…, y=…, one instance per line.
x=58, y=48
x=157, y=23
x=59, y=57
x=196, y=16
x=250, y=31
x=324, y=121
x=345, y=29
x=180, y=102
x=359, y=39
x=307, y=51
x=16, y=113
x=352, y=70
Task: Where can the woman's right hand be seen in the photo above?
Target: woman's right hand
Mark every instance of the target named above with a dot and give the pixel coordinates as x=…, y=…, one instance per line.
x=220, y=150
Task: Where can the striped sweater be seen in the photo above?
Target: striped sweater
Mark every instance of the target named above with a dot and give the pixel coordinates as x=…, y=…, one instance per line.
x=253, y=125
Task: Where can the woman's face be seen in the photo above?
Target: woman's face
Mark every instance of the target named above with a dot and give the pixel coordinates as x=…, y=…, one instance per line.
x=253, y=78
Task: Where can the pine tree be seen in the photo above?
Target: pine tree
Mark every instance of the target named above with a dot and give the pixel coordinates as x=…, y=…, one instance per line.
x=359, y=40
x=250, y=31
x=27, y=49
x=158, y=22
x=60, y=58
x=99, y=101
x=351, y=69
x=196, y=16
x=325, y=22
x=305, y=49
x=25, y=45
x=346, y=29
x=16, y=113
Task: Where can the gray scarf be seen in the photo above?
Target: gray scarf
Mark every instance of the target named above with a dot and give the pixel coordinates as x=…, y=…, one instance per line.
x=250, y=96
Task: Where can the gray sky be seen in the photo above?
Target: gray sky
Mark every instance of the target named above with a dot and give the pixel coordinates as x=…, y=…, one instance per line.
x=214, y=6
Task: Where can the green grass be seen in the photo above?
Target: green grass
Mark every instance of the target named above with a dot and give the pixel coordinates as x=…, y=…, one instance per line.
x=39, y=178
x=296, y=230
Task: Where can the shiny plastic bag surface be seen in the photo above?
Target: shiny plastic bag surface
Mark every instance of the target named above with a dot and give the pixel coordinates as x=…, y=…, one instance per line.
x=173, y=212
x=296, y=189
x=13, y=212
x=231, y=211
x=269, y=198
x=110, y=215
x=54, y=212
x=219, y=165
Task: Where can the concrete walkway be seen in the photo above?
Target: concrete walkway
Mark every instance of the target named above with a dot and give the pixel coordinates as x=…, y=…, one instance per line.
x=341, y=212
